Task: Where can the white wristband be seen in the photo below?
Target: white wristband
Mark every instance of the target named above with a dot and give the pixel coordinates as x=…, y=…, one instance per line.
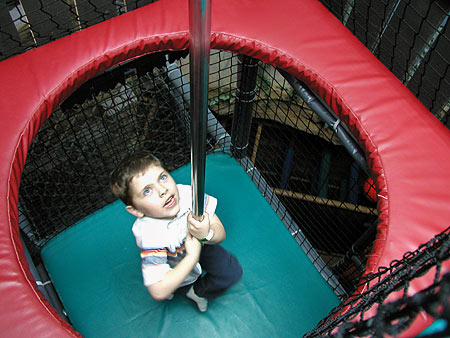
x=208, y=237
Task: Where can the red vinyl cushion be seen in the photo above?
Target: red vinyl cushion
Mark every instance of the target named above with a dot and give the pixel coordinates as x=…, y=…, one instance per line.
x=407, y=147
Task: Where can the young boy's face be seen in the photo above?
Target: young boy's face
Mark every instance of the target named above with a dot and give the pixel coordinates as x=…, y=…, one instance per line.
x=154, y=194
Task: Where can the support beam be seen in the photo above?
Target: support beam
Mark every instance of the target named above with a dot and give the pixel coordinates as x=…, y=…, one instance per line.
x=325, y=201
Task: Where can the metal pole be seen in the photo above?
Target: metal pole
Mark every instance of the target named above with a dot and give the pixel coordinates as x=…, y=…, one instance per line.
x=199, y=45
x=243, y=109
x=321, y=110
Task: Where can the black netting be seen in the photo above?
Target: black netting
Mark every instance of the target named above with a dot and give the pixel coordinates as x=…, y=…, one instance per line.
x=66, y=174
x=411, y=38
x=311, y=174
x=394, y=317
x=292, y=155
x=317, y=187
x=26, y=24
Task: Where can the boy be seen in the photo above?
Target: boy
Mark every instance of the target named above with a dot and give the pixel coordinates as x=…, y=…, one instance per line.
x=174, y=246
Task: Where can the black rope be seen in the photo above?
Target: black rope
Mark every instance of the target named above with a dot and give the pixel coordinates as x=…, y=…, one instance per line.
x=393, y=318
x=132, y=108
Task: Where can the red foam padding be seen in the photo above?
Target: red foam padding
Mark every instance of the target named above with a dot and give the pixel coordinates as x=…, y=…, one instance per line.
x=407, y=147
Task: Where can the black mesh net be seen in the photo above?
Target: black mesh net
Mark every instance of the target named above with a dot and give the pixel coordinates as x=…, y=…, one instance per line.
x=26, y=24
x=128, y=109
x=392, y=317
x=142, y=105
x=411, y=37
x=292, y=155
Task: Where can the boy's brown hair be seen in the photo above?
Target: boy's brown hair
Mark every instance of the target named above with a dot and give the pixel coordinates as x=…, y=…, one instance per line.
x=128, y=168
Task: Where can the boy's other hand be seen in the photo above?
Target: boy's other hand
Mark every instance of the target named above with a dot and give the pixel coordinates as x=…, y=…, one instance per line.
x=198, y=229
x=192, y=245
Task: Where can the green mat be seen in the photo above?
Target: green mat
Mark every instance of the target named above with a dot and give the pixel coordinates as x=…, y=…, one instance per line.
x=95, y=267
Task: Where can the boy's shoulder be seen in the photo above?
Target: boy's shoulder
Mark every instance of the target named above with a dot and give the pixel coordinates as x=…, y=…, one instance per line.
x=183, y=187
x=150, y=231
x=185, y=193
x=144, y=222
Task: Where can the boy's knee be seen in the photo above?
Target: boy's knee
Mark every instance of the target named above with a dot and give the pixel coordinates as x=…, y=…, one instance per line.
x=235, y=270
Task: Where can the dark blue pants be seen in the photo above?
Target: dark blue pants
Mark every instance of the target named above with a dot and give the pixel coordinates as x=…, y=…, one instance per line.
x=221, y=270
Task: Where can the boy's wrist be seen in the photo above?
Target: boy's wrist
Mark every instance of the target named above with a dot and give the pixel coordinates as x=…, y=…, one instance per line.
x=208, y=237
x=193, y=256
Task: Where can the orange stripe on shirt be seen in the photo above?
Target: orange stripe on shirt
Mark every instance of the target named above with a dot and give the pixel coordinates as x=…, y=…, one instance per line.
x=162, y=252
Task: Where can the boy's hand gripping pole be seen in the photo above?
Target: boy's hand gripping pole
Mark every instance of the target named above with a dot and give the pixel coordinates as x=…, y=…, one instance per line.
x=199, y=46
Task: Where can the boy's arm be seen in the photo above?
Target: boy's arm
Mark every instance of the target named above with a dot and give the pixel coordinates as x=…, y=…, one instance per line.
x=173, y=278
x=200, y=229
x=219, y=231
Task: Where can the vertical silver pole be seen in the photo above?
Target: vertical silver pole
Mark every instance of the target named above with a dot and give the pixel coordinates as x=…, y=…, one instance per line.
x=199, y=45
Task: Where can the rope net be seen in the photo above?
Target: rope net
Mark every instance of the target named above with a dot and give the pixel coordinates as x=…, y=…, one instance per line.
x=392, y=318
x=410, y=37
x=317, y=189
x=293, y=157
x=291, y=154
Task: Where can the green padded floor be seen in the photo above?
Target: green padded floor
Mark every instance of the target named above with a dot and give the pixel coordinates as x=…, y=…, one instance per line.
x=95, y=266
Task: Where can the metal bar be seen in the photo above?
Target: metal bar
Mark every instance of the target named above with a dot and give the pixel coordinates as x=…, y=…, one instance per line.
x=77, y=14
x=348, y=8
x=23, y=26
x=385, y=26
x=10, y=42
x=427, y=47
x=313, y=101
x=256, y=144
x=181, y=88
x=199, y=45
x=325, y=201
x=243, y=109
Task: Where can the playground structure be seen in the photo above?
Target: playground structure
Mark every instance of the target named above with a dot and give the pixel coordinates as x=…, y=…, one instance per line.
x=324, y=75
